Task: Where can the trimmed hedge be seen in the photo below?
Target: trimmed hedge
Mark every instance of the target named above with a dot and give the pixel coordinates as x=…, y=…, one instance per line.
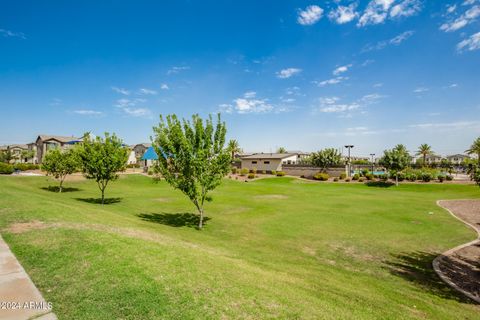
x=6, y=168
x=321, y=176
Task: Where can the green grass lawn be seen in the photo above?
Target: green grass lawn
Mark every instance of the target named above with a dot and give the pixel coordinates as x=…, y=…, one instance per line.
x=272, y=248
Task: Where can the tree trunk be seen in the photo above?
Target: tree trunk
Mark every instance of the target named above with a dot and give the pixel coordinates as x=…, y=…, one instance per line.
x=61, y=186
x=396, y=179
x=103, y=196
x=200, y=223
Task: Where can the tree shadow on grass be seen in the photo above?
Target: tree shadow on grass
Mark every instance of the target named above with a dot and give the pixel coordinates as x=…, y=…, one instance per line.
x=57, y=189
x=417, y=268
x=185, y=219
x=99, y=200
x=380, y=184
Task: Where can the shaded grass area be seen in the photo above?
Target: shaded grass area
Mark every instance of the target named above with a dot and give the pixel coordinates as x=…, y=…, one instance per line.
x=314, y=251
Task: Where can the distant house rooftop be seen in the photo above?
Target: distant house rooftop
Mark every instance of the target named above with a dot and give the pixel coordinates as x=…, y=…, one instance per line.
x=268, y=156
x=62, y=139
x=146, y=145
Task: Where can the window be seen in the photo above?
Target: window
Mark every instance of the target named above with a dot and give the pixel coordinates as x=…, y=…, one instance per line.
x=254, y=162
x=266, y=162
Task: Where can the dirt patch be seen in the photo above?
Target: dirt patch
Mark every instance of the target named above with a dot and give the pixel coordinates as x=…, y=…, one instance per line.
x=162, y=199
x=271, y=196
x=22, y=227
x=461, y=266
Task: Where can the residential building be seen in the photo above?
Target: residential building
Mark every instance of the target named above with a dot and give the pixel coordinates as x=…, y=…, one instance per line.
x=17, y=151
x=431, y=159
x=48, y=142
x=140, y=149
x=457, y=158
x=268, y=161
x=148, y=158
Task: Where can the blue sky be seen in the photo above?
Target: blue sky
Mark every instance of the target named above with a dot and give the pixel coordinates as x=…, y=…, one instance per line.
x=299, y=74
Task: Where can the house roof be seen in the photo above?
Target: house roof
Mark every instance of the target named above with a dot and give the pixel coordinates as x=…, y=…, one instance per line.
x=268, y=156
x=150, y=154
x=62, y=139
x=20, y=146
x=146, y=145
x=458, y=155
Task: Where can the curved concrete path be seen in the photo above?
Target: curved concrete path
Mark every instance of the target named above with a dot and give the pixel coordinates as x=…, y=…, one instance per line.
x=19, y=298
x=452, y=266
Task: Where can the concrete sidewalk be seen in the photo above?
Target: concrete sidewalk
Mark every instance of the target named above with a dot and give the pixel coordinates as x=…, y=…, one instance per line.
x=19, y=298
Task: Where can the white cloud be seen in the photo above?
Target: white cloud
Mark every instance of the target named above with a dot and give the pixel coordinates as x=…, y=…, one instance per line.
x=378, y=85
x=287, y=73
x=11, y=34
x=395, y=41
x=245, y=105
x=367, y=62
x=164, y=86
x=56, y=102
x=406, y=8
x=311, y=15
x=249, y=94
x=121, y=91
x=137, y=112
x=401, y=37
x=333, y=105
x=377, y=11
x=451, y=8
x=344, y=14
x=456, y=125
x=332, y=81
x=466, y=18
x=88, y=112
x=341, y=69
x=175, y=70
x=471, y=43
x=453, y=85
x=145, y=91
x=420, y=90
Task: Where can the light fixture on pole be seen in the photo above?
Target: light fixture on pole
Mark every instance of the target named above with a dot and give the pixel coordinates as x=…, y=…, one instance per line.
x=349, y=166
x=372, y=155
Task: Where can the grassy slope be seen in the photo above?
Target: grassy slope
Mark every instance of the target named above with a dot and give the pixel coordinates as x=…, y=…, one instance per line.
x=314, y=250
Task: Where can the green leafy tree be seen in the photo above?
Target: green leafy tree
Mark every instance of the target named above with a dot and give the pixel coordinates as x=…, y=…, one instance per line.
x=6, y=156
x=424, y=150
x=281, y=150
x=475, y=149
x=192, y=156
x=234, y=147
x=60, y=164
x=396, y=160
x=325, y=158
x=475, y=175
x=102, y=158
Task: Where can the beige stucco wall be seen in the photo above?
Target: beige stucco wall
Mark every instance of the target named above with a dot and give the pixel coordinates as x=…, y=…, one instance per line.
x=260, y=165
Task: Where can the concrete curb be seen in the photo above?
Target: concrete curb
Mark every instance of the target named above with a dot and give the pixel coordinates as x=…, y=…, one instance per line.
x=20, y=298
x=436, y=262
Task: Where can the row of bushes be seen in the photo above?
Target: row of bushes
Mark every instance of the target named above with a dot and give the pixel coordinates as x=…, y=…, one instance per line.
x=6, y=168
x=253, y=172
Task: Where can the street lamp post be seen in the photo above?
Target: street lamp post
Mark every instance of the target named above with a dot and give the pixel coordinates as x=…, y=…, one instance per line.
x=349, y=165
x=372, y=155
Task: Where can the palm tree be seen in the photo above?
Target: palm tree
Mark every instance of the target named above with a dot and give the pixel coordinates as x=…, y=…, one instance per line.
x=475, y=149
x=424, y=150
x=234, y=147
x=281, y=150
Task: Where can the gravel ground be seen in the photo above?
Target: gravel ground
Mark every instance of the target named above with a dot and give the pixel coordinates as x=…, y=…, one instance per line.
x=462, y=266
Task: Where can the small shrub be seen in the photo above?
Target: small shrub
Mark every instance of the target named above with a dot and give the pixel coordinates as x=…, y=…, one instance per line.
x=254, y=170
x=383, y=177
x=150, y=172
x=441, y=178
x=369, y=176
x=274, y=172
x=335, y=179
x=6, y=168
x=426, y=176
x=356, y=176
x=261, y=171
x=251, y=176
x=280, y=174
x=361, y=179
x=411, y=177
x=234, y=170
x=321, y=176
x=25, y=166
x=364, y=172
x=343, y=175
x=243, y=172
x=449, y=177
x=347, y=179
